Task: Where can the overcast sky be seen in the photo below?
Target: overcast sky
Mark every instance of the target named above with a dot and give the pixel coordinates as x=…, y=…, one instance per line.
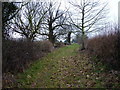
x=112, y=15
x=112, y=8
x=112, y=5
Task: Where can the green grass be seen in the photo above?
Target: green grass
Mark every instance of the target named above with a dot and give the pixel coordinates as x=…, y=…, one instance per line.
x=41, y=71
x=67, y=68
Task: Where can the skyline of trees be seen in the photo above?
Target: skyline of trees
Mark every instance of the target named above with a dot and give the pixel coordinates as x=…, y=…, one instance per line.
x=36, y=19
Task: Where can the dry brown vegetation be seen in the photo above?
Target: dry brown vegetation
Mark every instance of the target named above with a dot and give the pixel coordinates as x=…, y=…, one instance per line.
x=18, y=55
x=106, y=47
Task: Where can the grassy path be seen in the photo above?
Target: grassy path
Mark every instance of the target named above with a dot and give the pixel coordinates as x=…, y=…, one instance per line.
x=66, y=68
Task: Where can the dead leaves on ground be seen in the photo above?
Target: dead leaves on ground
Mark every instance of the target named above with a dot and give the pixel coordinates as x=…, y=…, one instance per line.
x=80, y=72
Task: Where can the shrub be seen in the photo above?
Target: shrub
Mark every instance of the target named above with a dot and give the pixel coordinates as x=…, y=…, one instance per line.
x=18, y=55
x=47, y=46
x=107, y=48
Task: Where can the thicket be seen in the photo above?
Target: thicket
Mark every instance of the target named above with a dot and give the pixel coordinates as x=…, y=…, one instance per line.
x=107, y=48
x=18, y=55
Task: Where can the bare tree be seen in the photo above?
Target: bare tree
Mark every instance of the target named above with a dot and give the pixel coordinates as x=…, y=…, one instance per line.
x=89, y=14
x=54, y=22
x=9, y=10
x=68, y=30
x=29, y=20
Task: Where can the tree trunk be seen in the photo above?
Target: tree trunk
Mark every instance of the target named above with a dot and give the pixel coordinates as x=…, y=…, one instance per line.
x=83, y=43
x=69, y=37
x=51, y=36
x=83, y=39
x=83, y=33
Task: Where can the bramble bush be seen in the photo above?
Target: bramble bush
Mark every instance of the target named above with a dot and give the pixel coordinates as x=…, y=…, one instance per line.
x=107, y=48
x=18, y=55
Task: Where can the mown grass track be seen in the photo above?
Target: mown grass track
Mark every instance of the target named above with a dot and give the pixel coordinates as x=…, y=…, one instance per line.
x=67, y=68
